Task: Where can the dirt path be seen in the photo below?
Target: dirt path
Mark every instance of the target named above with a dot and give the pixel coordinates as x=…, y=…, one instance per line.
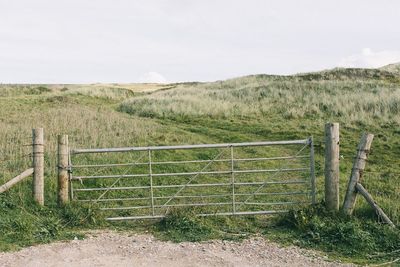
x=122, y=249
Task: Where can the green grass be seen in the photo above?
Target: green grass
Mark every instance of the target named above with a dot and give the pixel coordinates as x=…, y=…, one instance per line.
x=253, y=108
x=361, y=240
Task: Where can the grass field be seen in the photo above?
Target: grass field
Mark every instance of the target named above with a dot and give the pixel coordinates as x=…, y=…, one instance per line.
x=252, y=108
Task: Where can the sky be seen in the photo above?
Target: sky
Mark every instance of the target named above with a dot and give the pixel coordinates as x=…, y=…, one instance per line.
x=83, y=41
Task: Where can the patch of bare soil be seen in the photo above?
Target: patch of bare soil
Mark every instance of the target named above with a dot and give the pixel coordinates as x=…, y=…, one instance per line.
x=124, y=249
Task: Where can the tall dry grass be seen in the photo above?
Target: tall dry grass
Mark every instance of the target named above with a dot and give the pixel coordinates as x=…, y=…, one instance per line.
x=88, y=126
x=351, y=101
x=110, y=91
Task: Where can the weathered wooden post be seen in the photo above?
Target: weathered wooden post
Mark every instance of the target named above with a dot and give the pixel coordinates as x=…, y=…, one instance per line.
x=16, y=180
x=63, y=151
x=332, y=166
x=374, y=205
x=38, y=165
x=312, y=172
x=356, y=173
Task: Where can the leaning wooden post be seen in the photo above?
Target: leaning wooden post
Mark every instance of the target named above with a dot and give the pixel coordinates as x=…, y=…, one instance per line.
x=38, y=165
x=332, y=166
x=63, y=151
x=374, y=205
x=356, y=173
x=16, y=180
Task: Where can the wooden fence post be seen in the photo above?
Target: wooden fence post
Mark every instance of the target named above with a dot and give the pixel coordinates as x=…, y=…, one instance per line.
x=16, y=180
x=332, y=166
x=356, y=173
x=63, y=151
x=38, y=165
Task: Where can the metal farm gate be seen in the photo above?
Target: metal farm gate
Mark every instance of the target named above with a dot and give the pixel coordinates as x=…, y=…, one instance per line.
x=213, y=179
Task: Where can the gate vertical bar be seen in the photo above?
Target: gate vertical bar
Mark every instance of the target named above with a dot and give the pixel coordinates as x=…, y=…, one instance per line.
x=312, y=171
x=71, y=188
x=151, y=184
x=233, y=182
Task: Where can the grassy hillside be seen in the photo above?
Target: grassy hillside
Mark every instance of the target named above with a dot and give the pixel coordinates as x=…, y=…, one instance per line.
x=286, y=98
x=394, y=68
x=252, y=108
x=296, y=106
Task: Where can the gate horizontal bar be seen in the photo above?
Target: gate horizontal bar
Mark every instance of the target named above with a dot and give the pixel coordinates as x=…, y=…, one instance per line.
x=154, y=148
x=184, y=162
x=187, y=173
x=261, y=212
x=171, y=205
x=193, y=196
x=206, y=204
x=201, y=215
x=273, y=203
x=190, y=185
x=273, y=193
x=112, y=199
x=135, y=218
x=147, y=198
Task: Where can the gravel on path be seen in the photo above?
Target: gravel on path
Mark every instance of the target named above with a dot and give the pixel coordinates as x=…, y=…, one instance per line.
x=108, y=248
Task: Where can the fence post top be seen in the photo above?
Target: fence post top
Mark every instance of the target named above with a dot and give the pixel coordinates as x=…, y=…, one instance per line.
x=332, y=124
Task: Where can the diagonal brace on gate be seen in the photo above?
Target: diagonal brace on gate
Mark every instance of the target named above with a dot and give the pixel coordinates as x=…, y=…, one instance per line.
x=192, y=179
x=116, y=181
x=279, y=170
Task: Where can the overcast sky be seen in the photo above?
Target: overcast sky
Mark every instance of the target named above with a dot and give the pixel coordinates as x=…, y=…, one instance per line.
x=78, y=41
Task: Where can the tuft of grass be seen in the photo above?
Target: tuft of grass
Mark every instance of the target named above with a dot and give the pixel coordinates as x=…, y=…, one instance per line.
x=358, y=238
x=183, y=225
x=78, y=215
x=21, y=226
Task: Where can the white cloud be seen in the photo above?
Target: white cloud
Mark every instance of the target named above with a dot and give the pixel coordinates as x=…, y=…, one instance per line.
x=152, y=77
x=371, y=59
